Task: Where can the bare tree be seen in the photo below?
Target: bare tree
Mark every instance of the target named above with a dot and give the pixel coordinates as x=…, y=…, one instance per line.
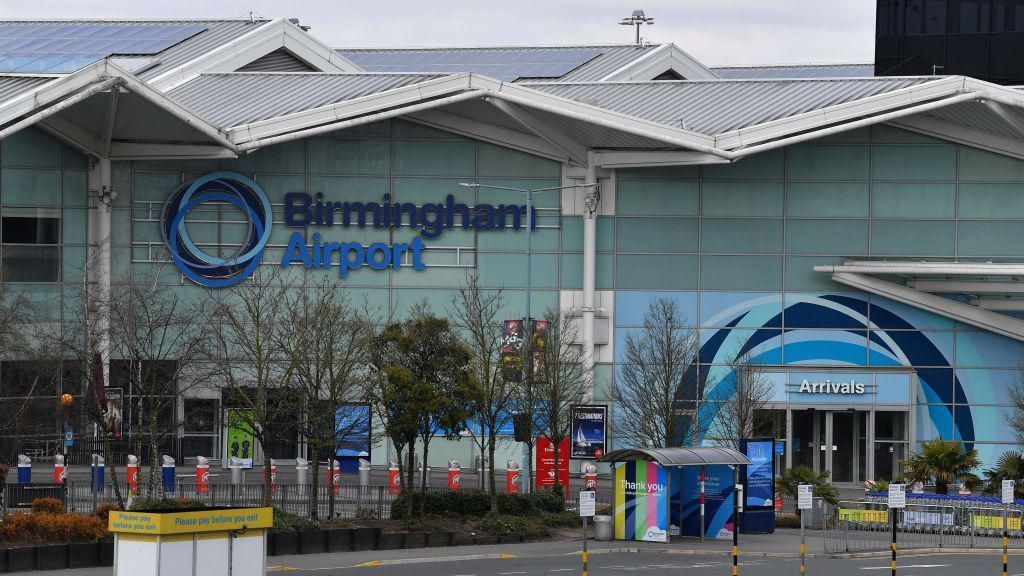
x=161, y=341
x=560, y=382
x=1015, y=415
x=656, y=393
x=246, y=355
x=477, y=312
x=737, y=411
x=327, y=341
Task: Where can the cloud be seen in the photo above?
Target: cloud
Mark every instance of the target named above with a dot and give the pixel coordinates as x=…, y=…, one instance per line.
x=714, y=31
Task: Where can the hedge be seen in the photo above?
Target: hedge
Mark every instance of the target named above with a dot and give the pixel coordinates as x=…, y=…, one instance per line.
x=475, y=503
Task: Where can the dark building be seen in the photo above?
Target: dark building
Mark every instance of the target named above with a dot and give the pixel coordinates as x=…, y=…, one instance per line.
x=982, y=39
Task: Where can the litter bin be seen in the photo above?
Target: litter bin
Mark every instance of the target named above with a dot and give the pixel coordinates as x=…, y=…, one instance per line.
x=603, y=528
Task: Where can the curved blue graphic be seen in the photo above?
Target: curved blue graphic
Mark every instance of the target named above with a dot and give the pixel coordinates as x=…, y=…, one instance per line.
x=830, y=329
x=205, y=269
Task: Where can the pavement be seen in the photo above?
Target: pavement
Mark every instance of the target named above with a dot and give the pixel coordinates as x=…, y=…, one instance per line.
x=761, y=555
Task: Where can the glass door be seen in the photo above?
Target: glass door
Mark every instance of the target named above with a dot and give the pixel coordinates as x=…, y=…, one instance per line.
x=847, y=445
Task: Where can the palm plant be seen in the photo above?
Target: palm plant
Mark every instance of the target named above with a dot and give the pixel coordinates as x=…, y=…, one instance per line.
x=788, y=481
x=1009, y=466
x=945, y=462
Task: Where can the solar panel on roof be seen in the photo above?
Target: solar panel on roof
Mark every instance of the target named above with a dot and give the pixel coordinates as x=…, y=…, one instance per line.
x=64, y=47
x=503, y=64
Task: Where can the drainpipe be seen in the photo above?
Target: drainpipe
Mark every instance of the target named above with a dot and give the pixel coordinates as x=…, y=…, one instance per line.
x=589, y=274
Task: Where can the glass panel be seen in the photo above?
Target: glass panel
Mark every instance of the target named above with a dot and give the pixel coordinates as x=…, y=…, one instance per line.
x=30, y=187
x=800, y=274
x=335, y=156
x=988, y=238
x=912, y=237
x=289, y=157
x=889, y=19
x=498, y=161
x=967, y=55
x=832, y=199
x=741, y=272
x=990, y=201
x=827, y=163
x=657, y=234
x=925, y=16
x=803, y=441
x=842, y=237
x=887, y=459
x=890, y=425
x=967, y=16
x=983, y=166
x=434, y=158
x=748, y=235
x=913, y=200
x=31, y=147
x=1004, y=65
x=763, y=166
x=913, y=162
x=887, y=55
x=678, y=272
x=742, y=198
x=657, y=197
x=31, y=263
x=1008, y=16
x=924, y=55
x=843, y=446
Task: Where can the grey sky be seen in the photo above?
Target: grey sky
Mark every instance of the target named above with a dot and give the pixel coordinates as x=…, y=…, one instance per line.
x=714, y=31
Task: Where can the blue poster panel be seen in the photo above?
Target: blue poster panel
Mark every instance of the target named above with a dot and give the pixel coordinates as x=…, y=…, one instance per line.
x=589, y=431
x=718, y=495
x=759, y=480
x=352, y=425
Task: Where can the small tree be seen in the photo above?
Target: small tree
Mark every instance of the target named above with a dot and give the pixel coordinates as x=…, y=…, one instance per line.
x=1014, y=417
x=326, y=340
x=657, y=381
x=246, y=355
x=788, y=481
x=1010, y=466
x=427, y=386
x=477, y=312
x=560, y=382
x=945, y=462
x=737, y=412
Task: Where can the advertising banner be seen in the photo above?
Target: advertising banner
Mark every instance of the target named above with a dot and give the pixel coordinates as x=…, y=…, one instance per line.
x=718, y=494
x=240, y=439
x=113, y=418
x=759, y=481
x=513, y=338
x=641, y=502
x=546, y=468
x=352, y=427
x=589, y=431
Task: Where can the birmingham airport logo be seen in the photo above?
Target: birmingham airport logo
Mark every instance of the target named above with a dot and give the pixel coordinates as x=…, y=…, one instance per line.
x=217, y=187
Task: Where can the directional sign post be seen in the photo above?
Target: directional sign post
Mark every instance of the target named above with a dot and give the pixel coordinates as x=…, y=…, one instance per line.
x=1007, y=498
x=804, y=501
x=588, y=507
x=897, y=501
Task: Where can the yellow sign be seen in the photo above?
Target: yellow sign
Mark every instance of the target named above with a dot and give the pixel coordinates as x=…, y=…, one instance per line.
x=234, y=519
x=863, y=515
x=996, y=522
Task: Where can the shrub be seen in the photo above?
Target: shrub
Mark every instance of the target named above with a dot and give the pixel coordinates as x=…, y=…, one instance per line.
x=787, y=521
x=103, y=512
x=500, y=525
x=475, y=503
x=166, y=504
x=287, y=522
x=22, y=527
x=47, y=506
x=366, y=513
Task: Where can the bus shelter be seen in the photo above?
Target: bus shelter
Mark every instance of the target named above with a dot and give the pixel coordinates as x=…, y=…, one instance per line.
x=689, y=488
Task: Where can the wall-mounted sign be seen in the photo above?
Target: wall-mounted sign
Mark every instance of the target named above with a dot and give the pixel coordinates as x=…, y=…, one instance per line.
x=319, y=249
x=830, y=387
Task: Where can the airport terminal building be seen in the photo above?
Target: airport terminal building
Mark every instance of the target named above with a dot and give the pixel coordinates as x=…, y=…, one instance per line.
x=857, y=236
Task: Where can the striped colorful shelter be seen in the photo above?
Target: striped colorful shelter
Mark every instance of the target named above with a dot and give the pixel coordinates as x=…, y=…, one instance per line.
x=643, y=486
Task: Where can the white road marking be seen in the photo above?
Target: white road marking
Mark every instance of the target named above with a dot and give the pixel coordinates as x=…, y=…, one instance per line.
x=507, y=573
x=905, y=567
x=562, y=570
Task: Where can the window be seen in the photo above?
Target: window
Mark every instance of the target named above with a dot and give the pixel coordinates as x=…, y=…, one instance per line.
x=967, y=16
x=889, y=21
x=925, y=16
x=200, y=427
x=31, y=244
x=1008, y=16
x=967, y=54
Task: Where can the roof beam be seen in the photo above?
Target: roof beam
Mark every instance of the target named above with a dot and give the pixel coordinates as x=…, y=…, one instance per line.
x=924, y=268
x=1004, y=304
x=966, y=286
x=938, y=128
x=984, y=319
x=638, y=159
x=148, y=151
x=1006, y=115
x=488, y=133
x=576, y=152
x=73, y=134
x=108, y=127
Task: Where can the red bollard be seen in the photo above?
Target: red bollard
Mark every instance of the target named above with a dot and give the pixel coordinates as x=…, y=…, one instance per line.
x=133, y=474
x=512, y=477
x=394, y=479
x=333, y=476
x=273, y=476
x=202, y=475
x=454, y=474
x=60, y=473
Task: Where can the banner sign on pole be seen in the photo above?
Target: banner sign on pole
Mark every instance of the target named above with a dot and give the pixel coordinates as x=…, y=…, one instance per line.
x=589, y=431
x=240, y=438
x=114, y=415
x=804, y=496
x=897, y=495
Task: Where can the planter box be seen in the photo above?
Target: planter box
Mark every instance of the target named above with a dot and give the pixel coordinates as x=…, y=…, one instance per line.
x=312, y=542
x=439, y=539
x=107, y=553
x=415, y=539
x=339, y=540
x=83, y=555
x=463, y=539
x=19, y=559
x=52, y=557
x=284, y=543
x=3, y=560
x=389, y=541
x=365, y=539
x=485, y=540
x=510, y=539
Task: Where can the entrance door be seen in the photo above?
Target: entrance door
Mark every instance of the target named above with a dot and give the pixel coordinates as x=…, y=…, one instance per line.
x=848, y=445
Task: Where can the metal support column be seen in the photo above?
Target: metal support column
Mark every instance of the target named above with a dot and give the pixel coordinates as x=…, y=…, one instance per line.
x=789, y=438
x=591, y=199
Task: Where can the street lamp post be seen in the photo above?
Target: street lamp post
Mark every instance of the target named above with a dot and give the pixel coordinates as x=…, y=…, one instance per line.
x=527, y=366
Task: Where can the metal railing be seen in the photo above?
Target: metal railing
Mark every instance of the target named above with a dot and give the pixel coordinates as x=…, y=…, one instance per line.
x=866, y=526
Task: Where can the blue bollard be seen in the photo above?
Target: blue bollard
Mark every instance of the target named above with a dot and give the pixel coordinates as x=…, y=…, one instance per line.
x=24, y=469
x=168, y=473
x=96, y=473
